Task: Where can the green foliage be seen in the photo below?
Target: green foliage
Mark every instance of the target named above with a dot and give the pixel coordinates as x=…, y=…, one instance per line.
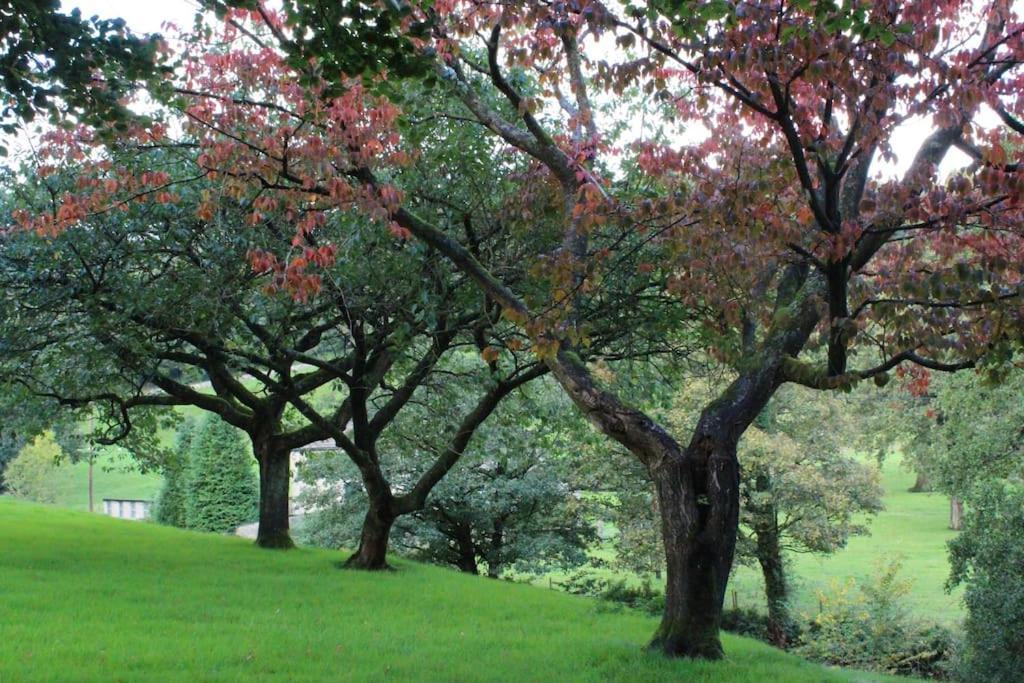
x=30, y=474
x=51, y=62
x=221, y=487
x=867, y=626
x=797, y=471
x=988, y=556
x=171, y=503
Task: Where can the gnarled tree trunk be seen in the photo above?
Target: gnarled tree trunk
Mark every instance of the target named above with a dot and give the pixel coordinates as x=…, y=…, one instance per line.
x=699, y=502
x=275, y=477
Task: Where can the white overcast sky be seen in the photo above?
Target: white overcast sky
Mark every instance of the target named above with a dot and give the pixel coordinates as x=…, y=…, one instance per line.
x=147, y=16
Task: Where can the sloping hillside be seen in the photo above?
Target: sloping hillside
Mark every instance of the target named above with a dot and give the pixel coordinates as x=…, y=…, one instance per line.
x=83, y=597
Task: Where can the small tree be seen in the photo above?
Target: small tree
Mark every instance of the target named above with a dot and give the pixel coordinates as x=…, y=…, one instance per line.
x=512, y=504
x=170, y=505
x=30, y=474
x=800, y=492
x=221, y=487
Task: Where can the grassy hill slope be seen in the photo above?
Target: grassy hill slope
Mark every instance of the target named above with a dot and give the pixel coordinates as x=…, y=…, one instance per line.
x=91, y=598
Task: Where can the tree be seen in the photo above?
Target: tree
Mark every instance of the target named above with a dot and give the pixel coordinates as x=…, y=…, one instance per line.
x=372, y=319
x=800, y=493
x=67, y=65
x=773, y=229
x=800, y=490
x=30, y=474
x=129, y=332
x=170, y=503
x=964, y=434
x=986, y=558
x=511, y=504
x=221, y=490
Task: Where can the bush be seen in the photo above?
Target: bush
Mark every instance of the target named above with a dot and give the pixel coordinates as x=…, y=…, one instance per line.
x=221, y=489
x=170, y=504
x=988, y=556
x=30, y=474
x=865, y=627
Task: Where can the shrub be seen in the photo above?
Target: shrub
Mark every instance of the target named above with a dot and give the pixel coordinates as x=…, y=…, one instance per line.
x=988, y=556
x=221, y=489
x=865, y=626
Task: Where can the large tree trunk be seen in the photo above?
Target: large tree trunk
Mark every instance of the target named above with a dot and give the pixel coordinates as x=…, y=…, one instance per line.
x=372, y=552
x=699, y=502
x=275, y=477
x=769, y=556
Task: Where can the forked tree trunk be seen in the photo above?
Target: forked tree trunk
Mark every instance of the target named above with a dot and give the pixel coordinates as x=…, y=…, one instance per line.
x=699, y=503
x=372, y=552
x=275, y=476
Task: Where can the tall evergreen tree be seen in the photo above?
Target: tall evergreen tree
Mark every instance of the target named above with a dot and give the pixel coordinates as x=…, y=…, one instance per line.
x=221, y=491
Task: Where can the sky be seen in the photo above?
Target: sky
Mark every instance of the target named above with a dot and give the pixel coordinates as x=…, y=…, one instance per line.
x=147, y=16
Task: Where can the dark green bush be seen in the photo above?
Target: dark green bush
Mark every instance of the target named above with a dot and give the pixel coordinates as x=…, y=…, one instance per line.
x=988, y=556
x=221, y=489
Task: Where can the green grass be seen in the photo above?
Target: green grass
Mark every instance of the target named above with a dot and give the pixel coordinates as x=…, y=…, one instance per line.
x=913, y=528
x=113, y=477
x=88, y=598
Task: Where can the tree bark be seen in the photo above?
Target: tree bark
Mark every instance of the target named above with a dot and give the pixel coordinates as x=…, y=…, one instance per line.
x=776, y=589
x=494, y=559
x=956, y=514
x=921, y=484
x=466, y=552
x=371, y=555
x=699, y=502
x=275, y=476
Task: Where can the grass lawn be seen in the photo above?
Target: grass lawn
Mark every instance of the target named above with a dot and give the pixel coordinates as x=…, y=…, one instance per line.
x=913, y=528
x=89, y=598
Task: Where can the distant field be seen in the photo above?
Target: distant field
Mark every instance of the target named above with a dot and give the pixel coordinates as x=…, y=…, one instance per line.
x=89, y=598
x=112, y=478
